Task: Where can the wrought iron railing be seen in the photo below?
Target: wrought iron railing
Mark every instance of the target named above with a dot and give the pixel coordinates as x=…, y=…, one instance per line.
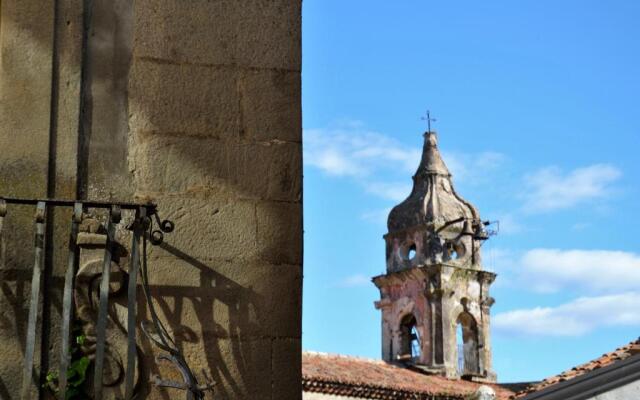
x=143, y=231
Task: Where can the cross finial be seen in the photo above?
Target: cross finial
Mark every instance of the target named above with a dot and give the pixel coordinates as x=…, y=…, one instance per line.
x=428, y=119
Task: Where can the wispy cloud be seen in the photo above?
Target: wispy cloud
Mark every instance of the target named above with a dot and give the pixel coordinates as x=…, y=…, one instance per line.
x=380, y=164
x=551, y=270
x=354, y=281
x=473, y=168
x=550, y=189
x=574, y=318
x=510, y=223
x=354, y=151
x=389, y=191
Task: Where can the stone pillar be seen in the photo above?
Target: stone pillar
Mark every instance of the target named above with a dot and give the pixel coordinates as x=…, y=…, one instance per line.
x=485, y=351
x=194, y=105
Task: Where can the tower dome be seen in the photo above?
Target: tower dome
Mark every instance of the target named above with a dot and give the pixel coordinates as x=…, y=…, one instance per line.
x=433, y=198
x=434, y=224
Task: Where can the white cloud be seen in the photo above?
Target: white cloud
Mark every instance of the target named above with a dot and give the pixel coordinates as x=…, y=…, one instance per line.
x=509, y=224
x=550, y=189
x=354, y=151
x=473, y=168
x=381, y=164
x=354, y=281
x=575, y=318
x=550, y=270
x=390, y=191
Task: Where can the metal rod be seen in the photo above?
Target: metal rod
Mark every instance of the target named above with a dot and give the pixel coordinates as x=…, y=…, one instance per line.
x=3, y=248
x=33, y=306
x=138, y=230
x=101, y=327
x=67, y=298
x=86, y=203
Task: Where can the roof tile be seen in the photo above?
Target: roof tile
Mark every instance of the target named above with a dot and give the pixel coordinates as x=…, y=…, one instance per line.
x=358, y=377
x=606, y=359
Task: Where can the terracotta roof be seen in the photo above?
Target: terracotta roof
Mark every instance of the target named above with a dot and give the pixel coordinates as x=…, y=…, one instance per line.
x=364, y=378
x=620, y=354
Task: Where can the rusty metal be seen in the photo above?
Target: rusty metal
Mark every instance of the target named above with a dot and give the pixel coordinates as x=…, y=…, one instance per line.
x=86, y=203
x=143, y=231
x=3, y=247
x=27, y=372
x=67, y=299
x=101, y=328
x=138, y=227
x=194, y=391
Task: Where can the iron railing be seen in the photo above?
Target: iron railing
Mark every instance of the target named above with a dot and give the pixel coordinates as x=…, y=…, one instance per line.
x=143, y=231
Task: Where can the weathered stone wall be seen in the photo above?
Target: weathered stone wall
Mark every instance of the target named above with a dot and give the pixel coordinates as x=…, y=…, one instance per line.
x=196, y=106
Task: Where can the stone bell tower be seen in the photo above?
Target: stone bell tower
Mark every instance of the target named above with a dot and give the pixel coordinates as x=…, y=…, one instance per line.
x=435, y=299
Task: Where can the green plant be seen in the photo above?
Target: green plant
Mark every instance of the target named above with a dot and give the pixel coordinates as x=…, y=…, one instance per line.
x=76, y=373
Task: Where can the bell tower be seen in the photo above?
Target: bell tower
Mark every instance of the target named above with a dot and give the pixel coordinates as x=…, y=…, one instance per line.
x=434, y=297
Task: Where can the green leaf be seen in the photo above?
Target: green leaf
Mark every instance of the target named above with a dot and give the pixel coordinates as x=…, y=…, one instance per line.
x=77, y=371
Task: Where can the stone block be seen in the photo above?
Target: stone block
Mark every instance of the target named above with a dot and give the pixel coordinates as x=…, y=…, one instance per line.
x=192, y=31
x=183, y=99
x=25, y=97
x=271, y=105
x=225, y=299
x=173, y=164
x=210, y=228
x=286, y=367
x=269, y=34
x=270, y=171
x=279, y=232
x=248, y=33
x=240, y=368
x=170, y=164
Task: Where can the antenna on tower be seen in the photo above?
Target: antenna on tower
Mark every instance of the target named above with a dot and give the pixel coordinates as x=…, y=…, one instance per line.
x=428, y=119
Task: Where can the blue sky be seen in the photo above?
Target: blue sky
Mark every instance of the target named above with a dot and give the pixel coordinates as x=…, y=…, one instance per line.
x=538, y=118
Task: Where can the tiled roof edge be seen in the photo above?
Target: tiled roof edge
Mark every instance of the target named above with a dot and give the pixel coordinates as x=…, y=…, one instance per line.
x=596, y=381
x=616, y=356
x=368, y=391
x=343, y=356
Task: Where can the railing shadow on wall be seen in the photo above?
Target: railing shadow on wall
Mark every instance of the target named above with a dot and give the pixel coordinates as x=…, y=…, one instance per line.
x=89, y=302
x=214, y=287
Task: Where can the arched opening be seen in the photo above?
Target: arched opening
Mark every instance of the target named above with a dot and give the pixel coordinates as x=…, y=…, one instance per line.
x=410, y=339
x=454, y=250
x=412, y=252
x=408, y=251
x=467, y=344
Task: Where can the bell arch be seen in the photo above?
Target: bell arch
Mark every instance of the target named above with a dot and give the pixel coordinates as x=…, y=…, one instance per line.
x=467, y=344
x=410, y=341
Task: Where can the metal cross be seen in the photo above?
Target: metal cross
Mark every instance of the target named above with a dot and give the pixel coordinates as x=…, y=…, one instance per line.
x=428, y=119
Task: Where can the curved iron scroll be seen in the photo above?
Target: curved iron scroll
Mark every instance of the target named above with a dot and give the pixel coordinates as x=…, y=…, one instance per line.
x=158, y=333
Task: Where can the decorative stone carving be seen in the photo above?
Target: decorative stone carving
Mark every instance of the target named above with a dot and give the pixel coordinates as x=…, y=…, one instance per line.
x=91, y=241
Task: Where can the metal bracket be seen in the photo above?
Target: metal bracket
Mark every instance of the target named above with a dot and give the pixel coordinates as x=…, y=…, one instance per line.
x=194, y=391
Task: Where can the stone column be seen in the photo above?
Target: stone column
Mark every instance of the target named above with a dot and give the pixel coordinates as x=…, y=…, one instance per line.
x=485, y=334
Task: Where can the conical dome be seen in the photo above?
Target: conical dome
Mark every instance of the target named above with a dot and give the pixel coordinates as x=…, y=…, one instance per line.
x=433, y=198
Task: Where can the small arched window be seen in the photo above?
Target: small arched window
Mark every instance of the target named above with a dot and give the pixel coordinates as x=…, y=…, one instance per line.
x=410, y=339
x=467, y=341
